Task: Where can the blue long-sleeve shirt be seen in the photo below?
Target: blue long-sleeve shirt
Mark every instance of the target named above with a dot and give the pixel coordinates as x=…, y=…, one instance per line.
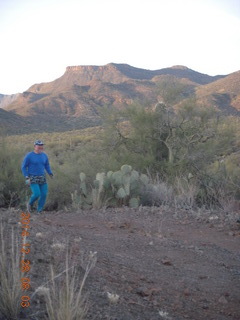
x=35, y=164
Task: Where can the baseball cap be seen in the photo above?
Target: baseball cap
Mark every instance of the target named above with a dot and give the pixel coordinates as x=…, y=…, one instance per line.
x=38, y=143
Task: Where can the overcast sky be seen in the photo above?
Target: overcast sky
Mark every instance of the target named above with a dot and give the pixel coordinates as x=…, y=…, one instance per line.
x=40, y=38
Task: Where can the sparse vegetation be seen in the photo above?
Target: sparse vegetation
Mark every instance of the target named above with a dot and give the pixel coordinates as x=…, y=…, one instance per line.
x=63, y=292
x=10, y=275
x=192, y=144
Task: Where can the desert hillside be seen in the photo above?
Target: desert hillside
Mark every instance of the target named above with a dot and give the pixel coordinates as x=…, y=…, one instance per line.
x=75, y=100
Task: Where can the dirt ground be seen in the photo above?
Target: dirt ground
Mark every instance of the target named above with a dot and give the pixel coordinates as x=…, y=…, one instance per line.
x=162, y=264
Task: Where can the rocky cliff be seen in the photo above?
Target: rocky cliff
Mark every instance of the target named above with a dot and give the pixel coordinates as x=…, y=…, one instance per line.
x=75, y=99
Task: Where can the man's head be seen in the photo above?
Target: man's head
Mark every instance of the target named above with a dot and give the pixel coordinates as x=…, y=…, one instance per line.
x=38, y=146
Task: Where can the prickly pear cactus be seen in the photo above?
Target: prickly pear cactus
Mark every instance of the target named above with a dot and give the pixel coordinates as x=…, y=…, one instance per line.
x=126, y=169
x=83, y=186
x=122, y=187
x=107, y=183
x=133, y=203
x=121, y=194
x=96, y=184
x=109, y=174
x=126, y=184
x=82, y=176
x=116, y=178
x=100, y=177
x=144, y=178
x=134, y=175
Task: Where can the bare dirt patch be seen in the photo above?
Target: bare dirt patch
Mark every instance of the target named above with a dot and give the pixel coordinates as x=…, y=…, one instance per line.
x=163, y=265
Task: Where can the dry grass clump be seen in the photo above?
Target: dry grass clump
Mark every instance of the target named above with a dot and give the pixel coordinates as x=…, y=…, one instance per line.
x=63, y=293
x=10, y=278
x=185, y=193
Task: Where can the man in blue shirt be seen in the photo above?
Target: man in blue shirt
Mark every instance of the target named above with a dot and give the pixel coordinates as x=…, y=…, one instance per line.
x=34, y=166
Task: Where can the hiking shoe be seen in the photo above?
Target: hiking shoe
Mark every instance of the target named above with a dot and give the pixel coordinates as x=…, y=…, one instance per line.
x=29, y=208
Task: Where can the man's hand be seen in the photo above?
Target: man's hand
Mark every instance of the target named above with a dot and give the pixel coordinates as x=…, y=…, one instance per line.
x=51, y=175
x=27, y=181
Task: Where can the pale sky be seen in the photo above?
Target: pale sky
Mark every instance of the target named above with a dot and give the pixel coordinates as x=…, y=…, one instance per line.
x=40, y=38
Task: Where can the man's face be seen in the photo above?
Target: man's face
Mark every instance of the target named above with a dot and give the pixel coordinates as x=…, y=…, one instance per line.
x=38, y=149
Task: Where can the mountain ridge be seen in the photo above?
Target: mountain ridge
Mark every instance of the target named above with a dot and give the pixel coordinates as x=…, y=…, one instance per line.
x=117, y=73
x=74, y=100
x=6, y=99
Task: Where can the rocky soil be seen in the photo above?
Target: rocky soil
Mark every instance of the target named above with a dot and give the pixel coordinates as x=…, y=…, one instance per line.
x=156, y=262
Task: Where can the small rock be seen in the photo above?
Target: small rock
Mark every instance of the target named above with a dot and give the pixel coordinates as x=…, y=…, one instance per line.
x=39, y=235
x=186, y=292
x=223, y=300
x=213, y=218
x=12, y=222
x=166, y=262
x=112, y=297
x=47, y=221
x=144, y=292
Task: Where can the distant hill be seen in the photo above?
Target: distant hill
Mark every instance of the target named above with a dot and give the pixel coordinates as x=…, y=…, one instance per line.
x=5, y=100
x=74, y=100
x=180, y=72
x=223, y=93
x=11, y=123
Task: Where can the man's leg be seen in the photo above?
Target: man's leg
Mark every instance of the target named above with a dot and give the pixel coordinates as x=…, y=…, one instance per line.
x=43, y=191
x=35, y=193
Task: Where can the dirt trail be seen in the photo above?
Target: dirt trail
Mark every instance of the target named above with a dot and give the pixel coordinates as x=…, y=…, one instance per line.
x=162, y=265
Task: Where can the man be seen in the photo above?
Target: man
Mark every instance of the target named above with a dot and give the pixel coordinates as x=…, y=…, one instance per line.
x=34, y=166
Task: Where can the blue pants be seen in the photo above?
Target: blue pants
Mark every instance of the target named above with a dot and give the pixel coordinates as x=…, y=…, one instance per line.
x=39, y=191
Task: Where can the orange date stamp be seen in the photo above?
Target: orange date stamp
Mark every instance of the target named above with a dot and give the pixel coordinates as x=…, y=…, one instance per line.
x=25, y=265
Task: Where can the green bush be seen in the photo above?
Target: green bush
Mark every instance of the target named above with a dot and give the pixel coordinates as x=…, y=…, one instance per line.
x=12, y=188
x=161, y=142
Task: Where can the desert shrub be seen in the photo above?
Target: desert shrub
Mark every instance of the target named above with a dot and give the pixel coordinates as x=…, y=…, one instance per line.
x=185, y=192
x=232, y=168
x=180, y=194
x=61, y=187
x=219, y=184
x=12, y=191
x=173, y=91
x=176, y=143
x=157, y=193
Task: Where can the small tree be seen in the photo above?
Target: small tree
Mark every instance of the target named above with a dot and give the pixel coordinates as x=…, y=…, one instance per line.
x=170, y=142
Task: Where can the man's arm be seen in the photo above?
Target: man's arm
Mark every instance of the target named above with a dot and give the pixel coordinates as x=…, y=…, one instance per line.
x=24, y=166
x=47, y=167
